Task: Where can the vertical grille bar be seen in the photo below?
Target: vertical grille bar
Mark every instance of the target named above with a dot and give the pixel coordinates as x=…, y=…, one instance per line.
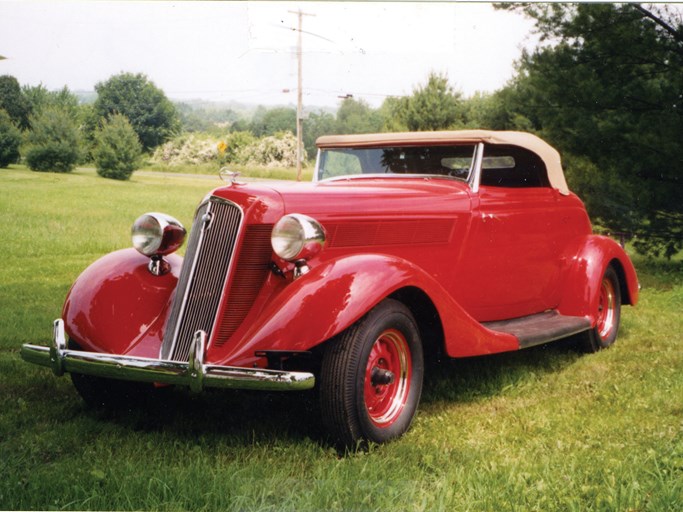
x=205, y=269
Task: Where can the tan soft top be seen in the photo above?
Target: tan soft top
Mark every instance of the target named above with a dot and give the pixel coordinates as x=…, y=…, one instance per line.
x=548, y=154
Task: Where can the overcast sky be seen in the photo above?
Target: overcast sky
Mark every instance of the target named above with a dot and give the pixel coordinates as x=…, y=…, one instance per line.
x=246, y=51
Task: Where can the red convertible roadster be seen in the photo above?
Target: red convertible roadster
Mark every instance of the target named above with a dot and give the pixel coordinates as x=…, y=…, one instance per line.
x=404, y=246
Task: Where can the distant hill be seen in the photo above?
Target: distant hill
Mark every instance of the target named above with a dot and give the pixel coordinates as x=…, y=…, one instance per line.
x=242, y=109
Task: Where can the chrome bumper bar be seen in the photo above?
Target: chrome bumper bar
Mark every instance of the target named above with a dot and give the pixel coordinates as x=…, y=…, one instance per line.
x=195, y=373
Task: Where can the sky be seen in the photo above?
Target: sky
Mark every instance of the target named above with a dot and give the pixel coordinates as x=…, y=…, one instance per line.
x=246, y=51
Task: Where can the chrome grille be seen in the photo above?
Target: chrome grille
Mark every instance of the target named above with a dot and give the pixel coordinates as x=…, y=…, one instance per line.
x=203, y=276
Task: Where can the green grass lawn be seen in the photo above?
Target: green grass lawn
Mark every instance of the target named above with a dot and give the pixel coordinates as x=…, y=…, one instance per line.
x=542, y=429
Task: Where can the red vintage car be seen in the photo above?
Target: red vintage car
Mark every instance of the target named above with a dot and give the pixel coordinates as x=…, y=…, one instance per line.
x=405, y=246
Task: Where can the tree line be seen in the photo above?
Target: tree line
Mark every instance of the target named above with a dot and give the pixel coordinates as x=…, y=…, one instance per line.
x=604, y=86
x=53, y=132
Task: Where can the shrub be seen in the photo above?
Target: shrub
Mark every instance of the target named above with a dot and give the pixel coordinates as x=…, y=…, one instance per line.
x=237, y=148
x=117, y=148
x=187, y=150
x=275, y=151
x=10, y=140
x=54, y=143
x=235, y=143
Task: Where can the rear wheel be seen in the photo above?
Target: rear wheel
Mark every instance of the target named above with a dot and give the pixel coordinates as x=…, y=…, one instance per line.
x=608, y=315
x=371, y=377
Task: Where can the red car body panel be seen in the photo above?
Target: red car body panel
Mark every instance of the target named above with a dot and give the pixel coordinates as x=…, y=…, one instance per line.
x=493, y=254
x=581, y=283
x=117, y=306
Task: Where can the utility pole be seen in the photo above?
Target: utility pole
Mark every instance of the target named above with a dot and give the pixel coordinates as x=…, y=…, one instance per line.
x=299, y=95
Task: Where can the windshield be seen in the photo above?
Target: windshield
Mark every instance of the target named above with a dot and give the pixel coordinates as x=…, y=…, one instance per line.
x=454, y=161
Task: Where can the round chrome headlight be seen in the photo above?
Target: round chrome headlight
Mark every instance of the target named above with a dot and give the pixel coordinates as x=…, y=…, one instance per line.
x=297, y=237
x=157, y=234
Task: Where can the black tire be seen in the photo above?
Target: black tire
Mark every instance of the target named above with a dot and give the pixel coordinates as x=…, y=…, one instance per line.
x=608, y=315
x=371, y=377
x=103, y=393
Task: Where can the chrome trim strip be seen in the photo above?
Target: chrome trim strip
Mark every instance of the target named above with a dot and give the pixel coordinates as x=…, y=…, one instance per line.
x=475, y=172
x=195, y=374
x=317, y=166
x=393, y=176
x=57, y=348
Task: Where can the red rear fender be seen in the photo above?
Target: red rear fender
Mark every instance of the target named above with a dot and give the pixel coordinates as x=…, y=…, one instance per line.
x=582, y=282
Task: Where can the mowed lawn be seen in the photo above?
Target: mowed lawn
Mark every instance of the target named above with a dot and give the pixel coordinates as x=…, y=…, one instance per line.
x=543, y=429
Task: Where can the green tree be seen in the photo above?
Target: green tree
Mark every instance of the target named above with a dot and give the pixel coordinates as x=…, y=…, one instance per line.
x=271, y=121
x=14, y=102
x=10, y=140
x=40, y=98
x=205, y=117
x=317, y=124
x=434, y=106
x=54, y=142
x=150, y=112
x=492, y=112
x=392, y=112
x=606, y=89
x=117, y=148
x=356, y=116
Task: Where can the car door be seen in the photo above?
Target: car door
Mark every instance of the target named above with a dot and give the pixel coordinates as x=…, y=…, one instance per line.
x=511, y=259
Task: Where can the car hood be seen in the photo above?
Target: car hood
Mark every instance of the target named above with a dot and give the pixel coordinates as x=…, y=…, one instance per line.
x=375, y=197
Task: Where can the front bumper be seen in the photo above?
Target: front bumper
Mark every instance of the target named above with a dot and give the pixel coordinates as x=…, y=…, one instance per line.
x=195, y=373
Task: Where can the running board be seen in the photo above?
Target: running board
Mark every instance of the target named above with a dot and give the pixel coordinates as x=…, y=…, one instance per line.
x=540, y=328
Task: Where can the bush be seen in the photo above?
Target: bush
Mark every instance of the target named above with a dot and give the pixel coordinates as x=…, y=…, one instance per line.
x=235, y=143
x=10, y=140
x=275, y=151
x=54, y=143
x=240, y=148
x=117, y=148
x=187, y=150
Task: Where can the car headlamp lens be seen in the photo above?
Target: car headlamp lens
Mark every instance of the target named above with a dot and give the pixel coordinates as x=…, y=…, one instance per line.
x=296, y=237
x=157, y=234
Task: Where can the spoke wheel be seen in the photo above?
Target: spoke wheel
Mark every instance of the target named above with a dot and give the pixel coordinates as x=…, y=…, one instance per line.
x=371, y=377
x=607, y=316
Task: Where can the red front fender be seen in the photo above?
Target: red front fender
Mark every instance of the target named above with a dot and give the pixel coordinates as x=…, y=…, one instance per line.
x=322, y=303
x=335, y=294
x=116, y=305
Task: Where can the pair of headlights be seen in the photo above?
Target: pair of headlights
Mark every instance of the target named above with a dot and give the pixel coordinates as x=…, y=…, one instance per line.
x=295, y=237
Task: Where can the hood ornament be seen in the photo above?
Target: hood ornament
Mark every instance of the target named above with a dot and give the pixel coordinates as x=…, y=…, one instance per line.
x=226, y=174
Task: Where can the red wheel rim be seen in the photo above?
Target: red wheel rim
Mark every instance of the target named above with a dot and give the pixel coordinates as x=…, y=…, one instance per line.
x=387, y=378
x=606, y=309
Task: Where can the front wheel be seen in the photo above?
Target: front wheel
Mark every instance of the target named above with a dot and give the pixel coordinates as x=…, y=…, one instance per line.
x=608, y=315
x=103, y=393
x=371, y=377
